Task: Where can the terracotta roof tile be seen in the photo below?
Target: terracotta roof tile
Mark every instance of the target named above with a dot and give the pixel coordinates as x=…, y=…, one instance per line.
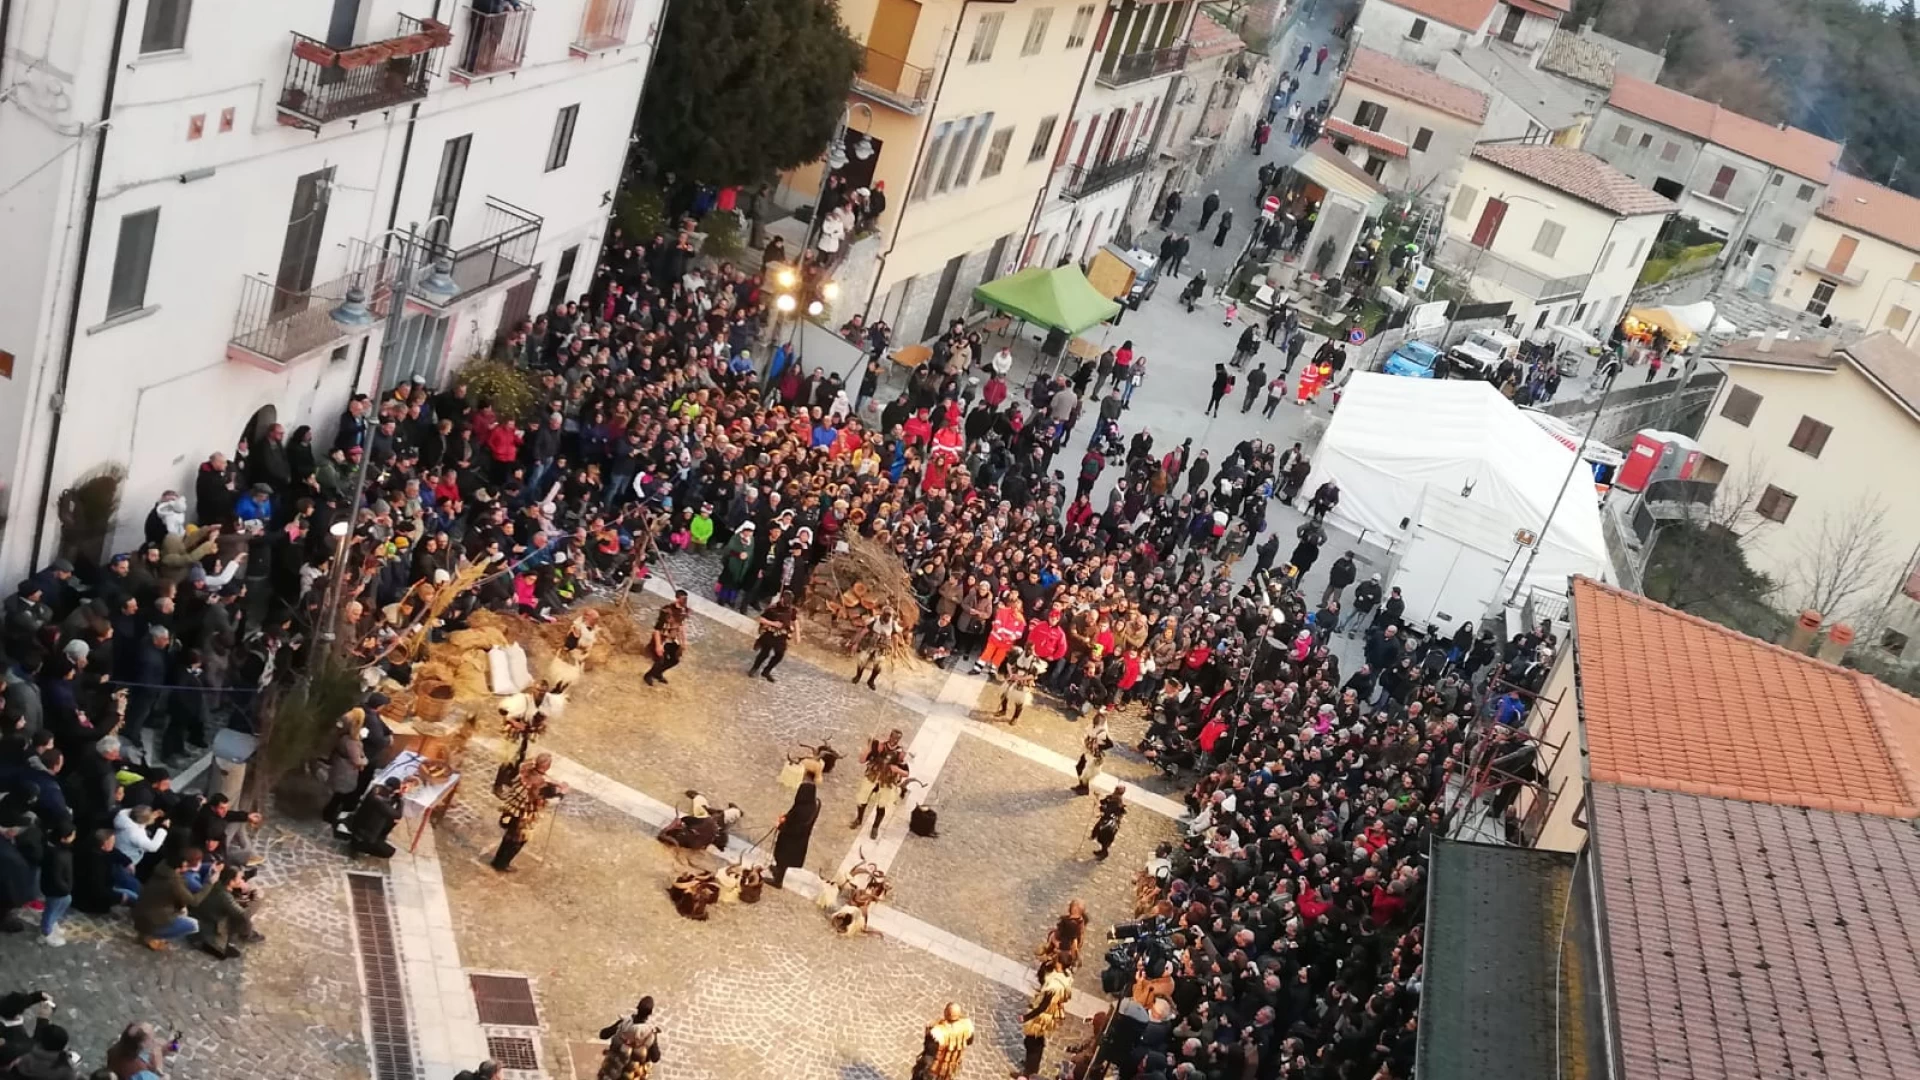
x=1891, y=215
x=1749, y=941
x=1374, y=68
x=1799, y=152
x=1344, y=130
x=1208, y=38
x=1674, y=702
x=1465, y=14
x=1577, y=173
x=1323, y=148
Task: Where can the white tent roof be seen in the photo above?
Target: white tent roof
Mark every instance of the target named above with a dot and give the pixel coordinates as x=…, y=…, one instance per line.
x=1393, y=438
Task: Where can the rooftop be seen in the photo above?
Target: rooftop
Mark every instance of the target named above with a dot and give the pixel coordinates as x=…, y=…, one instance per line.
x=1465, y=14
x=1416, y=84
x=1341, y=129
x=1674, y=702
x=1628, y=59
x=1209, y=39
x=1879, y=357
x=1577, y=173
x=1749, y=941
x=1494, y=919
x=1891, y=215
x=1322, y=148
x=1799, y=152
x=1579, y=58
x=1555, y=101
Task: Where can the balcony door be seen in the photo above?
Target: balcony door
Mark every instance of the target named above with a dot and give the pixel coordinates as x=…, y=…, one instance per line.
x=889, y=40
x=300, y=248
x=446, y=190
x=343, y=24
x=1489, y=226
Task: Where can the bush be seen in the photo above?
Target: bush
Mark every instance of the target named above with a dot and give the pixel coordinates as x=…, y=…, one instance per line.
x=299, y=725
x=511, y=389
x=723, y=235
x=640, y=212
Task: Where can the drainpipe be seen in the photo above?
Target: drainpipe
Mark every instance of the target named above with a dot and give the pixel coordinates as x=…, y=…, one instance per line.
x=1040, y=200
x=58, y=402
x=6, y=20
x=926, y=133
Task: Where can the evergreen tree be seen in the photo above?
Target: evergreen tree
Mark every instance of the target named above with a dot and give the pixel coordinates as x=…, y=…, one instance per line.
x=743, y=89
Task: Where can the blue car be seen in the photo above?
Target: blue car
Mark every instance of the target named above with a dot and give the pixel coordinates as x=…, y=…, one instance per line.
x=1414, y=359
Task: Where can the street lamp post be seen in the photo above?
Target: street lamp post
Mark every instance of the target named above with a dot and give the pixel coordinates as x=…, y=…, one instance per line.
x=833, y=161
x=1541, y=538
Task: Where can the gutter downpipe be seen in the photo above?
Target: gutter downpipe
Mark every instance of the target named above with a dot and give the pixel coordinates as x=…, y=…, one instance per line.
x=58, y=401
x=919, y=153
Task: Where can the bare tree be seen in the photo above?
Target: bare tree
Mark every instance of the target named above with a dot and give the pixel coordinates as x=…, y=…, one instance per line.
x=1846, y=562
x=1700, y=563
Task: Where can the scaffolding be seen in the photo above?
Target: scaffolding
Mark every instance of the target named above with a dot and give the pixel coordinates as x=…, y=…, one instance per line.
x=1501, y=777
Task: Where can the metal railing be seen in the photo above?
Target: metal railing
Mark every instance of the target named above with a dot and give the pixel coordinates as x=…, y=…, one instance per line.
x=495, y=42
x=1084, y=180
x=1823, y=265
x=282, y=325
x=324, y=84
x=604, y=25
x=1143, y=65
x=1483, y=265
x=893, y=82
x=508, y=236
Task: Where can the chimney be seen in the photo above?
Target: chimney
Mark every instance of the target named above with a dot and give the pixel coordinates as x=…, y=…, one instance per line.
x=1802, y=633
x=1837, y=641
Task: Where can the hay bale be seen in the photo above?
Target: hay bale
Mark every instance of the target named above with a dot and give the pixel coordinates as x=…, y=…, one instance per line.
x=482, y=638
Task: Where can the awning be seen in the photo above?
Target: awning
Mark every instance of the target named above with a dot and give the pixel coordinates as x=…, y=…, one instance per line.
x=1340, y=129
x=1330, y=169
x=1575, y=334
x=1059, y=298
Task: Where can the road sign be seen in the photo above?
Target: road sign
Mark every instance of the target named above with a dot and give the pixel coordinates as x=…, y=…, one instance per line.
x=1357, y=336
x=1270, y=207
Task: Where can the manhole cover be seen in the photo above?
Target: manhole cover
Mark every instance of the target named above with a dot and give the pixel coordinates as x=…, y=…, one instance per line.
x=506, y=1000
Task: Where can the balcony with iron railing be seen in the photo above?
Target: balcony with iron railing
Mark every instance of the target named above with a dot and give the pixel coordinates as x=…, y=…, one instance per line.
x=1846, y=273
x=1481, y=264
x=893, y=82
x=494, y=43
x=1143, y=65
x=1082, y=181
x=446, y=276
x=603, y=26
x=275, y=326
x=325, y=84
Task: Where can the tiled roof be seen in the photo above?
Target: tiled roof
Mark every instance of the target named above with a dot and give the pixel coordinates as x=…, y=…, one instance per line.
x=1416, y=84
x=1465, y=14
x=1556, y=101
x=1895, y=367
x=1671, y=701
x=1879, y=356
x=1344, y=130
x=1891, y=215
x=1579, y=58
x=1799, y=152
x=1323, y=149
x=1208, y=38
x=1755, y=942
x=1577, y=173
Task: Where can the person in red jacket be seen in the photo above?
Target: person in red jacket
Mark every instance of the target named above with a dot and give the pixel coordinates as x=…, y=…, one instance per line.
x=1047, y=640
x=503, y=445
x=1009, y=626
x=1388, y=903
x=1310, y=904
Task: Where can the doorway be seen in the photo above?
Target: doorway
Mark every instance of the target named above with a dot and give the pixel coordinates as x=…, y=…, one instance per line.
x=942, y=295
x=255, y=432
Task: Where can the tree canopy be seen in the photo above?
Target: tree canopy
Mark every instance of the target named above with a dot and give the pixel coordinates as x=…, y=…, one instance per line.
x=1842, y=69
x=743, y=89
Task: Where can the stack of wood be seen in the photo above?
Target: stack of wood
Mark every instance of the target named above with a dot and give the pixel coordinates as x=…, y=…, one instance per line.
x=854, y=585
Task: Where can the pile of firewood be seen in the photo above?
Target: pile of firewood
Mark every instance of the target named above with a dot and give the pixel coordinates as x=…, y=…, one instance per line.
x=854, y=585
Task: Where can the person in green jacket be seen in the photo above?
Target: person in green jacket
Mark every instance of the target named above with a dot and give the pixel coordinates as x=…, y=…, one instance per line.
x=736, y=564
x=701, y=528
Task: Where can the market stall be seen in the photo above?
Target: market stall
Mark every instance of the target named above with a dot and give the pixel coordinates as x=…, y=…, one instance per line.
x=1058, y=298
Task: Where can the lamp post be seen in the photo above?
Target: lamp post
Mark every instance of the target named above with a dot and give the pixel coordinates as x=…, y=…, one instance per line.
x=1541, y=537
x=833, y=161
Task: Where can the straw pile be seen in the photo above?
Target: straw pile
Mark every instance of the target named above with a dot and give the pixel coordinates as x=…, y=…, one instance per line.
x=858, y=583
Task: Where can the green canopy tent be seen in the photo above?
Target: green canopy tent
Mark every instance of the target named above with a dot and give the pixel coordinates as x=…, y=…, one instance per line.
x=1058, y=299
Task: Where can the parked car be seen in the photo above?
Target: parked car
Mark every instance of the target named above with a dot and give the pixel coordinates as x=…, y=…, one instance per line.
x=1143, y=282
x=1415, y=359
x=1483, y=351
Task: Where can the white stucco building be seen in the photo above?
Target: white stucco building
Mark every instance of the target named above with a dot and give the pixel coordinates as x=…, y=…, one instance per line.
x=1555, y=231
x=189, y=190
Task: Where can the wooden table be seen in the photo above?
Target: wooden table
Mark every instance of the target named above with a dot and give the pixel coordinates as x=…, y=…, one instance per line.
x=912, y=356
x=1082, y=349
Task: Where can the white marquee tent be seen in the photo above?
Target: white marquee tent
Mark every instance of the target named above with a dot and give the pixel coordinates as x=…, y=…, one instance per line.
x=1404, y=448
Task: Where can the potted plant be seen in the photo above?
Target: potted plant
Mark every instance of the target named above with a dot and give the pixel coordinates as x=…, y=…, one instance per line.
x=315, y=52
x=437, y=33
x=362, y=56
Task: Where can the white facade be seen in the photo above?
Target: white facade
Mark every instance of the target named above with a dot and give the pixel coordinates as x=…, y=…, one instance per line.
x=1408, y=34
x=208, y=139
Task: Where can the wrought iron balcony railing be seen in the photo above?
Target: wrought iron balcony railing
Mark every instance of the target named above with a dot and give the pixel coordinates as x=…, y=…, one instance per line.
x=604, y=26
x=1085, y=180
x=325, y=84
x=495, y=43
x=274, y=326
x=508, y=237
x=1144, y=65
x=1482, y=264
x=894, y=83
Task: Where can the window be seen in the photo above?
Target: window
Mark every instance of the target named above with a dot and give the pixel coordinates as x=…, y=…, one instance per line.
x=1547, y=240
x=1748, y=247
x=1041, y=138
x=166, y=27
x=1785, y=234
x=1646, y=140
x=1036, y=31
x=1740, y=406
x=1580, y=313
x=1622, y=134
x=1810, y=437
x=1422, y=139
x=1541, y=322
x=1606, y=256
x=1639, y=246
x=300, y=246
x=563, y=276
x=1370, y=116
x=1897, y=317
x=1670, y=151
x=1463, y=203
x=1722, y=182
x=981, y=124
x=446, y=189
x=936, y=155
x=1775, y=181
x=1418, y=31
x=1893, y=641
x=1822, y=296
x=1805, y=194
x=1082, y=26
x=1775, y=504
x=985, y=33
x=562, y=143
x=1913, y=274
x=997, y=153
x=1375, y=165
x=131, y=260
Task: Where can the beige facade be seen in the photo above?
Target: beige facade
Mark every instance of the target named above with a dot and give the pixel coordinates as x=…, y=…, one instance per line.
x=1852, y=275
x=1406, y=145
x=1812, y=443
x=1559, y=733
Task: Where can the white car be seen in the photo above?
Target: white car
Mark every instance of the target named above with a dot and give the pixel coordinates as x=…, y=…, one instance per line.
x=1476, y=357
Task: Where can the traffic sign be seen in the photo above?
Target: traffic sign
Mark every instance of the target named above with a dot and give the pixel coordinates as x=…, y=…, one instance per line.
x=1270, y=207
x=1357, y=336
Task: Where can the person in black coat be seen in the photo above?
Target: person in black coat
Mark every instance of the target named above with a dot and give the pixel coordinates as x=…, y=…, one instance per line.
x=213, y=492
x=796, y=830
